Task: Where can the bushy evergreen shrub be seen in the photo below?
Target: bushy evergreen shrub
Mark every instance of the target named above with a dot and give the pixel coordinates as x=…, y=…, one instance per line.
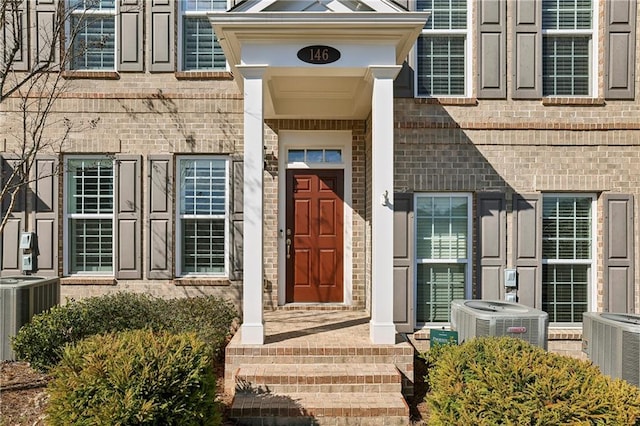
x=135, y=377
x=40, y=342
x=488, y=381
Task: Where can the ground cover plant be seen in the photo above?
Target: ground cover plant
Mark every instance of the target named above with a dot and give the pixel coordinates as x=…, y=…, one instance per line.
x=488, y=381
x=42, y=340
x=134, y=377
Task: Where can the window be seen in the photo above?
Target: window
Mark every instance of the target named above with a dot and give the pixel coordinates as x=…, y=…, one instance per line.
x=567, y=256
x=202, y=216
x=90, y=215
x=442, y=47
x=567, y=32
x=200, y=47
x=93, y=23
x=442, y=254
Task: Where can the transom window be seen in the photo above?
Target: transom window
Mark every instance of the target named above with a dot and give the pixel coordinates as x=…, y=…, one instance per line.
x=442, y=254
x=94, y=24
x=567, y=29
x=442, y=47
x=202, y=216
x=567, y=252
x=90, y=215
x=314, y=156
x=200, y=47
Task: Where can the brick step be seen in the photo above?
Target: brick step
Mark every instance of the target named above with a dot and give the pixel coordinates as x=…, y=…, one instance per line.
x=307, y=378
x=351, y=408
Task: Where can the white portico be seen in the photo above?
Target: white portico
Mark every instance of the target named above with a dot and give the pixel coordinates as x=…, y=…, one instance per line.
x=329, y=60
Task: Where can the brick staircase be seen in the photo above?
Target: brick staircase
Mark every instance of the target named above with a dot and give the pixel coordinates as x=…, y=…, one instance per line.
x=318, y=369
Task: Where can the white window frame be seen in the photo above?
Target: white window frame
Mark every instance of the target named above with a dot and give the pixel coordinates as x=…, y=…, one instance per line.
x=593, y=50
x=68, y=216
x=468, y=66
x=80, y=11
x=179, y=216
x=181, y=48
x=468, y=261
x=592, y=291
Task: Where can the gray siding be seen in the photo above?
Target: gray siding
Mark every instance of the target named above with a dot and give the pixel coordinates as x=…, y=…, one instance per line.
x=619, y=273
x=620, y=49
x=11, y=253
x=44, y=218
x=237, y=184
x=527, y=59
x=46, y=32
x=403, y=315
x=161, y=30
x=130, y=37
x=527, y=248
x=492, y=248
x=128, y=243
x=492, y=49
x=160, y=214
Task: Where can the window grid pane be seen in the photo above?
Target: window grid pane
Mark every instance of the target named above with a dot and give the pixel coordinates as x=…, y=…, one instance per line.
x=566, y=238
x=566, y=14
x=91, y=245
x=441, y=65
x=566, y=66
x=201, y=50
x=203, y=184
x=445, y=14
x=564, y=292
x=204, y=5
x=94, y=46
x=438, y=285
x=203, y=187
x=203, y=246
x=442, y=254
x=91, y=190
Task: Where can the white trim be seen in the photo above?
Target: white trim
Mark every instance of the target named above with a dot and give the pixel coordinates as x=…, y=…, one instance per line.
x=292, y=139
x=66, y=246
x=83, y=11
x=593, y=49
x=468, y=54
x=592, y=291
x=180, y=45
x=179, y=217
x=468, y=286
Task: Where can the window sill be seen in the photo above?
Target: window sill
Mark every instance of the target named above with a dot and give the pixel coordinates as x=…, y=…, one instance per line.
x=210, y=282
x=88, y=281
x=95, y=75
x=559, y=101
x=565, y=333
x=204, y=75
x=447, y=101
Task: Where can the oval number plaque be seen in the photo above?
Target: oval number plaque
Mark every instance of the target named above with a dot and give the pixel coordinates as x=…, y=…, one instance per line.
x=318, y=54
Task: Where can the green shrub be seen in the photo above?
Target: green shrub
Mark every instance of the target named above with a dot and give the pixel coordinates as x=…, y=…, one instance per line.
x=40, y=341
x=134, y=377
x=490, y=381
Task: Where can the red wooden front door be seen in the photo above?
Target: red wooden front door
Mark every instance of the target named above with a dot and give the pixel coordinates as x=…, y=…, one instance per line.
x=314, y=235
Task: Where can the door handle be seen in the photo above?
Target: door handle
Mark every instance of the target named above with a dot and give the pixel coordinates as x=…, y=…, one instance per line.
x=288, y=248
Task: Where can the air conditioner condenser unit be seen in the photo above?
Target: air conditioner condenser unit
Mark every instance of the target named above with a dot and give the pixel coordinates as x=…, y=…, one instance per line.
x=476, y=318
x=612, y=342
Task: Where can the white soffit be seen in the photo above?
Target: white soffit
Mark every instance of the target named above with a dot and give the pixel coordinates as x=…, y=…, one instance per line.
x=278, y=29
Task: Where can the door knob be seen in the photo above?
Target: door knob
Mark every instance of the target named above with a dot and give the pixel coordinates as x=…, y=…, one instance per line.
x=288, y=248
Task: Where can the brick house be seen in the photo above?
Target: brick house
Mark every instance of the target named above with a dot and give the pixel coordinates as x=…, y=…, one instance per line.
x=430, y=157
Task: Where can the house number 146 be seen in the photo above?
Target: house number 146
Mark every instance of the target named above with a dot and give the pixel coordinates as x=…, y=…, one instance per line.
x=318, y=54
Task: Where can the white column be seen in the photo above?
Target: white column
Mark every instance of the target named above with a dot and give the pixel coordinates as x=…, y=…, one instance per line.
x=382, y=328
x=253, y=260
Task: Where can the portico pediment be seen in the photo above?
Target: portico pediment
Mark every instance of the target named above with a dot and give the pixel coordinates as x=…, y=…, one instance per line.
x=272, y=33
